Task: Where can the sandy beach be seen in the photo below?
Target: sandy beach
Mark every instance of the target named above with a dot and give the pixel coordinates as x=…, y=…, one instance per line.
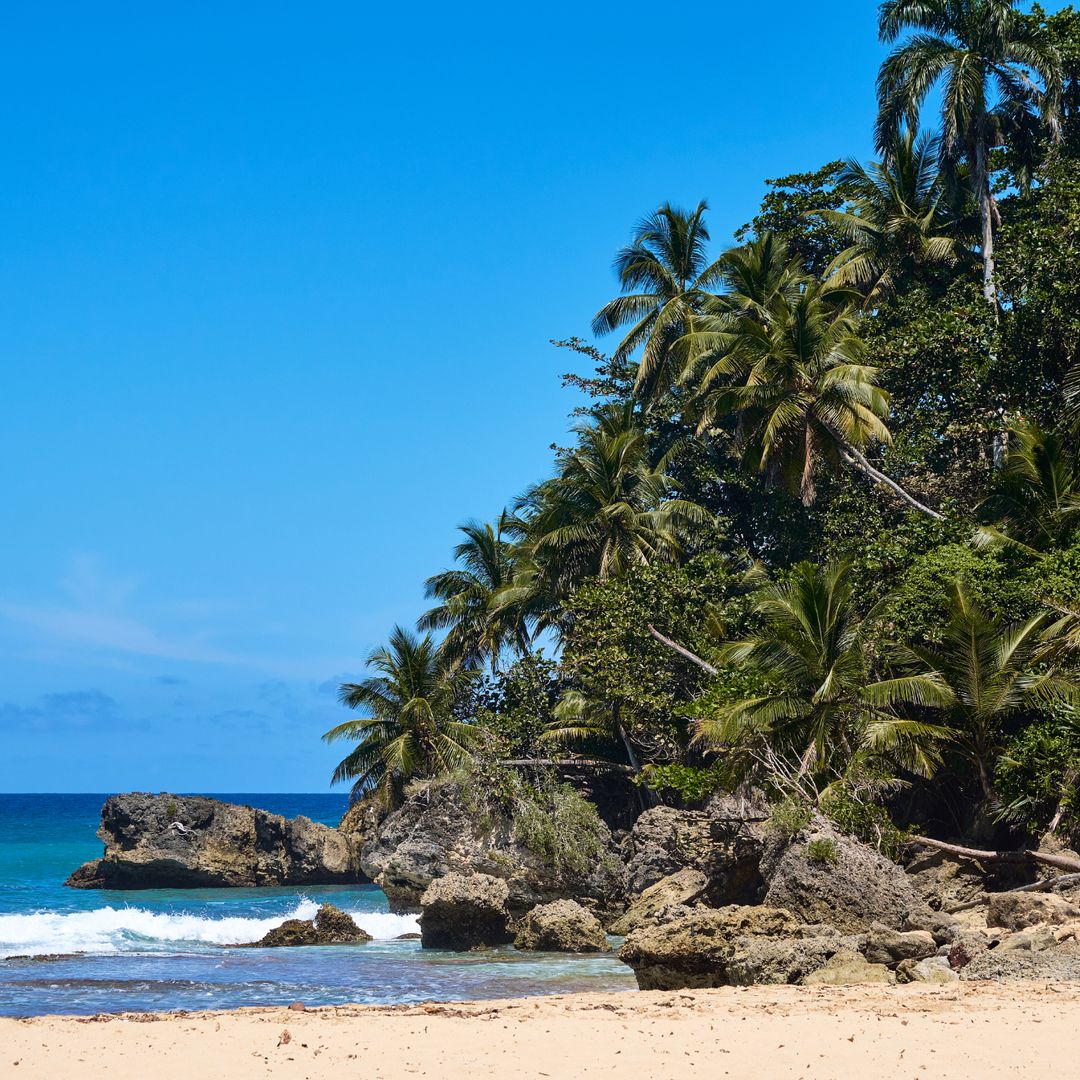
x=971, y=1030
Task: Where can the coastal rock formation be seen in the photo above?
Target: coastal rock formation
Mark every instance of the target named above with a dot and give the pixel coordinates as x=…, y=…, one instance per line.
x=849, y=968
x=433, y=834
x=685, y=887
x=725, y=842
x=331, y=926
x=886, y=946
x=730, y=946
x=561, y=926
x=177, y=841
x=465, y=911
x=1014, y=911
x=853, y=889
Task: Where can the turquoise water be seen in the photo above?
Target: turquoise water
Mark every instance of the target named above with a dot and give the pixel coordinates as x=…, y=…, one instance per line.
x=89, y=951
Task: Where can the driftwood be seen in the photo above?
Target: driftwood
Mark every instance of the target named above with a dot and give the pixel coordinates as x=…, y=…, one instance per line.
x=682, y=651
x=1012, y=858
x=1036, y=886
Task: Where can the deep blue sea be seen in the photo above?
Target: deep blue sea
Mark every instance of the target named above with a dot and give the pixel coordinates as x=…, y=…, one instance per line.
x=87, y=951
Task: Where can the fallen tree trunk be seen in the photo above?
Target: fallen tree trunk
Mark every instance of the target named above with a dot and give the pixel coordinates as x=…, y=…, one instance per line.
x=583, y=763
x=682, y=651
x=1014, y=858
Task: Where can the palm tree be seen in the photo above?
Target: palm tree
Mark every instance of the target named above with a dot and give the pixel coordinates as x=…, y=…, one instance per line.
x=982, y=675
x=898, y=218
x=822, y=715
x=983, y=54
x=1035, y=503
x=609, y=507
x=666, y=279
x=787, y=360
x=412, y=731
x=478, y=630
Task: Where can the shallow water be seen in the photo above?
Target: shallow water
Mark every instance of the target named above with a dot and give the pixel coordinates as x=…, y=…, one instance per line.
x=89, y=951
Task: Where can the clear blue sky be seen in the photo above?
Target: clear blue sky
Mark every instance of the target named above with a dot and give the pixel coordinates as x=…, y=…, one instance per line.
x=276, y=291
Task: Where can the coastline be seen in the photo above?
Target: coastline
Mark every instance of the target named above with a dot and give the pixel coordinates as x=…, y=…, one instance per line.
x=961, y=1030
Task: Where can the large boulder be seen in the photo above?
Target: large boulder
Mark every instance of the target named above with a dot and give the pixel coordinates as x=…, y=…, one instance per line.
x=848, y=968
x=724, y=842
x=729, y=946
x=180, y=841
x=561, y=926
x=685, y=887
x=887, y=946
x=465, y=911
x=435, y=833
x=823, y=876
x=1014, y=911
x=331, y=926
x=1054, y=964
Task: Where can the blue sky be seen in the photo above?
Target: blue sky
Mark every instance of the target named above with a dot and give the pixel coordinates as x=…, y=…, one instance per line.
x=277, y=289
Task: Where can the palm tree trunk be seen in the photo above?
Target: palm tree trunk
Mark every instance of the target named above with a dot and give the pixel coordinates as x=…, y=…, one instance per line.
x=855, y=457
x=986, y=212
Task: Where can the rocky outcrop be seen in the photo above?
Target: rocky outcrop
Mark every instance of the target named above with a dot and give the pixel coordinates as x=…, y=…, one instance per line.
x=561, y=926
x=848, y=968
x=465, y=911
x=685, y=887
x=1014, y=911
x=434, y=834
x=724, y=842
x=729, y=946
x=178, y=841
x=331, y=926
x=851, y=889
x=886, y=946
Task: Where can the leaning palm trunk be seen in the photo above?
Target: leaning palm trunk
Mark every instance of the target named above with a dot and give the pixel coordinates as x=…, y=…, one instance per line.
x=853, y=456
x=986, y=214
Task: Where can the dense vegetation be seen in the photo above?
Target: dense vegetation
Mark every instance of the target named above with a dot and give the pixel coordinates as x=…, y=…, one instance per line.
x=819, y=530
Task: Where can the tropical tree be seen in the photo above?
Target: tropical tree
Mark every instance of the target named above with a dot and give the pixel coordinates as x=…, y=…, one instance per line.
x=822, y=715
x=981, y=676
x=1035, y=502
x=412, y=730
x=609, y=507
x=786, y=359
x=666, y=280
x=983, y=54
x=479, y=630
x=897, y=217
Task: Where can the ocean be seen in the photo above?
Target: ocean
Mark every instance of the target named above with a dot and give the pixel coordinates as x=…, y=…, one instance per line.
x=86, y=952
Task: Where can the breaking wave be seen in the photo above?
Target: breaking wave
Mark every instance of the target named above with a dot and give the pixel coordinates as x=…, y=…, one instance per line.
x=110, y=930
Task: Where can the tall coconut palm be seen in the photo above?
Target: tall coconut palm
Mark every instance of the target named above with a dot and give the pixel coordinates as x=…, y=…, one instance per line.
x=789, y=363
x=412, y=730
x=822, y=714
x=982, y=54
x=478, y=630
x=607, y=508
x=1035, y=503
x=897, y=217
x=666, y=279
x=981, y=676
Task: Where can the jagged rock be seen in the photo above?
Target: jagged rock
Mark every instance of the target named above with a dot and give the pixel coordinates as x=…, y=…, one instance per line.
x=885, y=946
x=856, y=888
x=944, y=883
x=681, y=888
x=331, y=926
x=1033, y=939
x=848, y=968
x=178, y=841
x=1059, y=964
x=561, y=926
x=931, y=969
x=465, y=911
x=944, y=928
x=717, y=842
x=434, y=834
x=1014, y=911
x=730, y=946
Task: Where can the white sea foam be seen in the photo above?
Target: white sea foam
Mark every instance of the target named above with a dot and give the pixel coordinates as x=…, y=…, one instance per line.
x=109, y=929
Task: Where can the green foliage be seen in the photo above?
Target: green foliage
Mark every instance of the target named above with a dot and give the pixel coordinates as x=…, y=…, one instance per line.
x=693, y=784
x=823, y=850
x=516, y=707
x=789, y=817
x=1038, y=775
x=865, y=819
